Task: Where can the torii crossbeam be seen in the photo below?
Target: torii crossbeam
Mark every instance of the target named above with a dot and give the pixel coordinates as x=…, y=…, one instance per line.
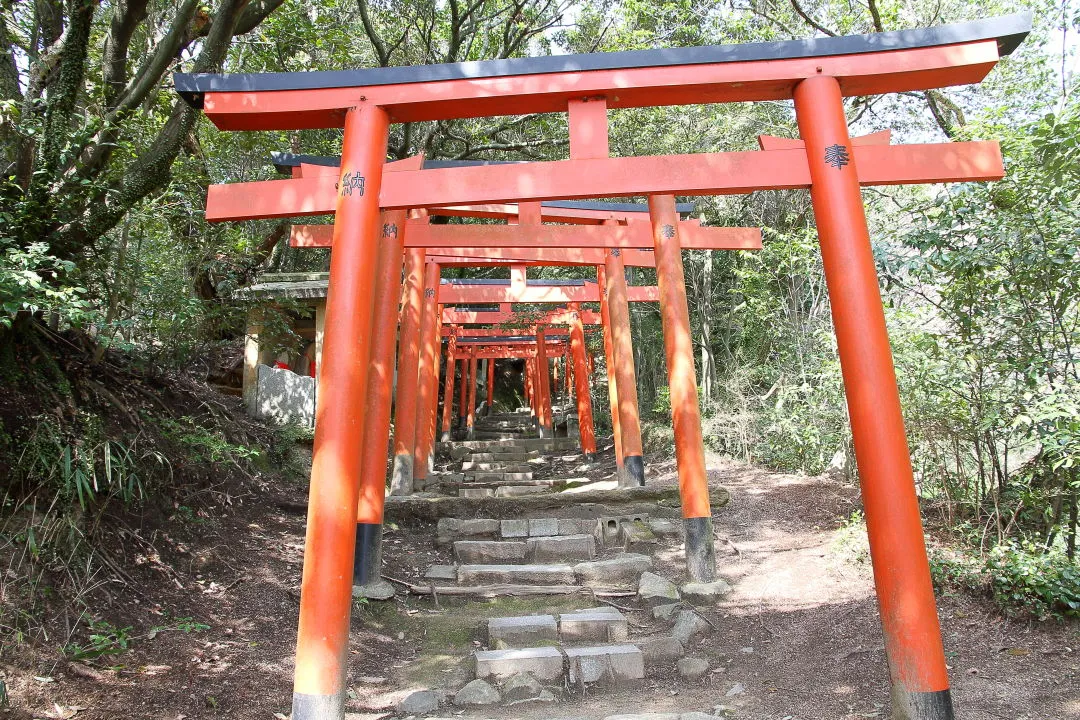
x=817, y=74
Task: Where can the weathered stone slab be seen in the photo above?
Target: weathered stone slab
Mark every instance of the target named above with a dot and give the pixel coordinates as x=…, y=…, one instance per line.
x=665, y=527
x=605, y=663
x=514, y=528
x=522, y=574
x=561, y=548
x=593, y=626
x=501, y=476
x=688, y=625
x=481, y=552
x=608, y=528
x=661, y=652
x=468, y=492
x=521, y=632
x=543, y=527
x=698, y=593
x=467, y=528
x=620, y=571
x=509, y=491
x=635, y=536
x=543, y=663
x=656, y=590
x=441, y=573
x=576, y=526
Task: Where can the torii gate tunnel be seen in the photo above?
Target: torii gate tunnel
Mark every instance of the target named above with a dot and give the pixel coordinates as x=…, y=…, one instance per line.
x=817, y=74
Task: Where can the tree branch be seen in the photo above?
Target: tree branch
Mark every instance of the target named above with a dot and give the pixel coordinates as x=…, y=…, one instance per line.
x=369, y=28
x=127, y=14
x=810, y=21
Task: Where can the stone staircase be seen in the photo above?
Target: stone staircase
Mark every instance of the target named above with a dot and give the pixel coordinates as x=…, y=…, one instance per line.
x=501, y=460
x=552, y=656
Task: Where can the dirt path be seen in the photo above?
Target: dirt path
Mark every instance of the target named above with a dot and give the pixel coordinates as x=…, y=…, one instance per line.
x=798, y=638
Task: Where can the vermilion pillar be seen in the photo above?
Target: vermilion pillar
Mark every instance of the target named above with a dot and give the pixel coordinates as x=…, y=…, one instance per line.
x=367, y=562
x=428, y=375
x=470, y=421
x=612, y=380
x=412, y=310
x=490, y=385
x=623, y=351
x=463, y=393
x=920, y=682
x=544, y=381
x=682, y=383
x=530, y=387
x=448, y=389
x=581, y=385
x=326, y=588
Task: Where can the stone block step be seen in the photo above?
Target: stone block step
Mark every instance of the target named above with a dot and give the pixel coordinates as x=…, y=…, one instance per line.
x=521, y=456
x=622, y=571
x=538, y=550
x=515, y=574
x=500, y=435
x=451, y=529
x=544, y=663
x=509, y=491
x=490, y=476
x=502, y=467
x=602, y=624
x=616, y=664
x=521, y=632
x=542, y=444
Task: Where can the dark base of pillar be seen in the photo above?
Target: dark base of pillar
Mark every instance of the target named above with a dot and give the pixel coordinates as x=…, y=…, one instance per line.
x=635, y=470
x=546, y=432
x=922, y=705
x=317, y=707
x=590, y=457
x=367, y=560
x=700, y=549
x=462, y=423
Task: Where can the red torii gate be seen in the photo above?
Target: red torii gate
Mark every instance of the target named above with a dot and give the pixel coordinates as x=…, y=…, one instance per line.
x=817, y=74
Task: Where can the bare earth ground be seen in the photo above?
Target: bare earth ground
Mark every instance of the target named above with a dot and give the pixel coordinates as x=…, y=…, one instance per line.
x=798, y=639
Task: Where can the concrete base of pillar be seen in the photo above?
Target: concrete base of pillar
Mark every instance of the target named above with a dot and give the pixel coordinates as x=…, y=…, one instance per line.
x=401, y=475
x=378, y=590
x=546, y=432
x=700, y=549
x=445, y=437
x=318, y=707
x=470, y=434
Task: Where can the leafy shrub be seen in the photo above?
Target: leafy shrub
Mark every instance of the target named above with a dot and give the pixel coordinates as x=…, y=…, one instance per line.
x=1020, y=577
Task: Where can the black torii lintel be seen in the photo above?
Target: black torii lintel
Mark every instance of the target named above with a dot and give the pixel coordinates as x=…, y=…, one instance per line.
x=1009, y=31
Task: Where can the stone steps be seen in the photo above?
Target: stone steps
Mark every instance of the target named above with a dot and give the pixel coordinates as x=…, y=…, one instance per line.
x=488, y=466
x=503, y=491
x=619, y=572
x=613, y=664
x=588, y=625
x=530, y=550
x=509, y=445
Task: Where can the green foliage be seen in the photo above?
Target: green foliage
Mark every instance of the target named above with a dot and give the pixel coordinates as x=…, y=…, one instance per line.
x=104, y=639
x=1020, y=577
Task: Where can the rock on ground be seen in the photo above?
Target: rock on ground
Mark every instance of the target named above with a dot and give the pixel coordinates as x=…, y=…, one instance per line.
x=478, y=692
x=656, y=590
x=661, y=651
x=688, y=624
x=522, y=686
x=699, y=593
x=691, y=668
x=420, y=702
